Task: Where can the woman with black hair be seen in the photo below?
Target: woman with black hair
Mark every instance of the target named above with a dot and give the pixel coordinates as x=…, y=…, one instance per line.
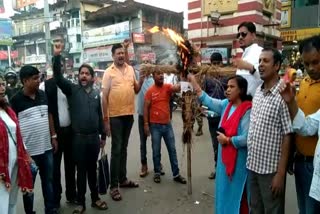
x=14, y=161
x=231, y=176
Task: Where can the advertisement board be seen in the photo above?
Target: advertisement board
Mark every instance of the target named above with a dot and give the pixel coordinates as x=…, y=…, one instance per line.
x=206, y=54
x=5, y=32
x=222, y=6
x=23, y=3
x=108, y=35
x=138, y=38
x=103, y=54
x=2, y=8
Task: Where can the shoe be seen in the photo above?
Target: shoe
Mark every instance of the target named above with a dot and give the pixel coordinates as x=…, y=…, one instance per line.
x=212, y=175
x=157, y=178
x=161, y=171
x=72, y=202
x=180, y=179
x=144, y=171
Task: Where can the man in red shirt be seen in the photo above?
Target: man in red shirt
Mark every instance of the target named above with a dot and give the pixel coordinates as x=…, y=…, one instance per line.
x=157, y=122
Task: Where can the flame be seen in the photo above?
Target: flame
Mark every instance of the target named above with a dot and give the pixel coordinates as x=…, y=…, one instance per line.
x=155, y=29
x=184, y=51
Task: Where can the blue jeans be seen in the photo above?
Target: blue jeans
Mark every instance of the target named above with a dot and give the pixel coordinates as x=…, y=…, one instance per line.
x=157, y=132
x=143, y=141
x=303, y=176
x=44, y=163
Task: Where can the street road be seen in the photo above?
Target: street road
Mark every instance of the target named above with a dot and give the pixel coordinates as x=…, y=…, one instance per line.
x=167, y=197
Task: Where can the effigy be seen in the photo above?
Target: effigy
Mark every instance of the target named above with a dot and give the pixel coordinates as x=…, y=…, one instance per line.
x=186, y=65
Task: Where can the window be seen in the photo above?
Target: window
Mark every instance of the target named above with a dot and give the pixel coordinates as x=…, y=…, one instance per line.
x=75, y=14
x=78, y=38
x=77, y=60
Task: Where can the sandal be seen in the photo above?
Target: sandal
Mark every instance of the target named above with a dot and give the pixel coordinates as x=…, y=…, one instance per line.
x=115, y=195
x=157, y=179
x=129, y=184
x=100, y=205
x=180, y=179
x=79, y=210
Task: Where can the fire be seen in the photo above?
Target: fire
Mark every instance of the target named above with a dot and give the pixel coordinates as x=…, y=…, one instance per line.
x=155, y=29
x=184, y=47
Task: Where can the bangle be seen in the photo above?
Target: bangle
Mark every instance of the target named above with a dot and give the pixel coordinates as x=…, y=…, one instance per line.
x=54, y=136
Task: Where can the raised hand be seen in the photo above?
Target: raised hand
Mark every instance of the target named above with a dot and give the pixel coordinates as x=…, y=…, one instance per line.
x=58, y=48
x=126, y=43
x=287, y=91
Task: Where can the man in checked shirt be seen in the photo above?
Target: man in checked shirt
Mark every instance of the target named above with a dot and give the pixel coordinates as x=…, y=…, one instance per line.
x=268, y=139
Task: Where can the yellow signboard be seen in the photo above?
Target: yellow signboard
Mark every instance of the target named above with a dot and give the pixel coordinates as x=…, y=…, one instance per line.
x=222, y=6
x=297, y=35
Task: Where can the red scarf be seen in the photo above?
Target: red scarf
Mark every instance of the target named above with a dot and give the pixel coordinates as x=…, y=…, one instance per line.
x=24, y=172
x=230, y=125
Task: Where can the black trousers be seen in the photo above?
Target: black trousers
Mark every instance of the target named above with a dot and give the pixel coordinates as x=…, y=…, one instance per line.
x=65, y=148
x=86, y=150
x=120, y=133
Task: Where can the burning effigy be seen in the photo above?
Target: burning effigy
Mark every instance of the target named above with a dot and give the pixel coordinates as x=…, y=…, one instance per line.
x=186, y=65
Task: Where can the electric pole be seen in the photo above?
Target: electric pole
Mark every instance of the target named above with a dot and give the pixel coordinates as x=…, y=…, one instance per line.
x=47, y=31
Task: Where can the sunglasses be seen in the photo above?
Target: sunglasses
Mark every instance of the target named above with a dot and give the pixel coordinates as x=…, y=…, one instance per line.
x=242, y=34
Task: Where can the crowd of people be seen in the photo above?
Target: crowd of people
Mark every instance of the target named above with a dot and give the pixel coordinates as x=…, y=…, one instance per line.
x=258, y=125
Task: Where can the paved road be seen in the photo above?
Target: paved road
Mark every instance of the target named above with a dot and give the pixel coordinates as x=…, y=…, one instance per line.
x=167, y=197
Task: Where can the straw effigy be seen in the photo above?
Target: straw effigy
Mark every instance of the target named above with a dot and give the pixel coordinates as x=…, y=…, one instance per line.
x=207, y=70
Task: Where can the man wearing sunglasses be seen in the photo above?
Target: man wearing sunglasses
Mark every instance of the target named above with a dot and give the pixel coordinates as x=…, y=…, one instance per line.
x=247, y=66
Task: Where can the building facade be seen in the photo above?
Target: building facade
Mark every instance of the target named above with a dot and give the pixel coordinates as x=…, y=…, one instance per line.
x=130, y=20
x=296, y=25
x=212, y=24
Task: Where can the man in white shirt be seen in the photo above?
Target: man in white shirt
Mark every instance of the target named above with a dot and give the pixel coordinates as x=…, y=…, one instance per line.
x=247, y=66
x=58, y=104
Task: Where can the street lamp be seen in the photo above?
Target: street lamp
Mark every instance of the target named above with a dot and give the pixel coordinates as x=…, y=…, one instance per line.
x=214, y=18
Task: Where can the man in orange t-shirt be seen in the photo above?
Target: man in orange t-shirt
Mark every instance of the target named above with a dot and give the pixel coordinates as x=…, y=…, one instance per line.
x=157, y=122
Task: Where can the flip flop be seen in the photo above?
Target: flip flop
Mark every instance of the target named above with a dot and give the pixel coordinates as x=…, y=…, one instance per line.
x=79, y=210
x=101, y=206
x=115, y=195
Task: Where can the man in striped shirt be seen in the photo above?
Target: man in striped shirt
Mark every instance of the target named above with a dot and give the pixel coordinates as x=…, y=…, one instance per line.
x=31, y=106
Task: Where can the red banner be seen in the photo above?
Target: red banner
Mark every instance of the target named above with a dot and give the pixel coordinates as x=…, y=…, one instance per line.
x=4, y=55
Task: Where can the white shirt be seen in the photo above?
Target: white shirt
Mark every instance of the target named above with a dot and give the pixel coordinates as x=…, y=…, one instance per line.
x=12, y=146
x=310, y=126
x=251, y=54
x=63, y=107
x=170, y=79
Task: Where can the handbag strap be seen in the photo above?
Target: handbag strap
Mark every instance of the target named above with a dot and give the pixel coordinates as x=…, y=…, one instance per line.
x=11, y=135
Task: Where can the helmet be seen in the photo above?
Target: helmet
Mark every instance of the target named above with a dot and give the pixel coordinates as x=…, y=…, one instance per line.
x=10, y=74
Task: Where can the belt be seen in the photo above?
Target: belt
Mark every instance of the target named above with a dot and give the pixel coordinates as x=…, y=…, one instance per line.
x=303, y=158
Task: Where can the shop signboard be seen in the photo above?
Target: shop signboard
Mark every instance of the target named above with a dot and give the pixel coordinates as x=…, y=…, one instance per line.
x=298, y=35
x=151, y=57
x=35, y=59
x=103, y=54
x=107, y=35
x=206, y=54
x=222, y=6
x=4, y=55
x=138, y=38
x=5, y=32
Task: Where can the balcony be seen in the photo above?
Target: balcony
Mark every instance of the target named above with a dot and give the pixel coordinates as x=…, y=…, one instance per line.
x=30, y=29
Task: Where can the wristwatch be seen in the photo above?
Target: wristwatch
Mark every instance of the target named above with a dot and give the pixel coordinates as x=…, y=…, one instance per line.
x=54, y=136
x=253, y=71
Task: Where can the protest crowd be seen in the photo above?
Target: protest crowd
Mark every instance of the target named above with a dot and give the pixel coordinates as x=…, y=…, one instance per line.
x=262, y=129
